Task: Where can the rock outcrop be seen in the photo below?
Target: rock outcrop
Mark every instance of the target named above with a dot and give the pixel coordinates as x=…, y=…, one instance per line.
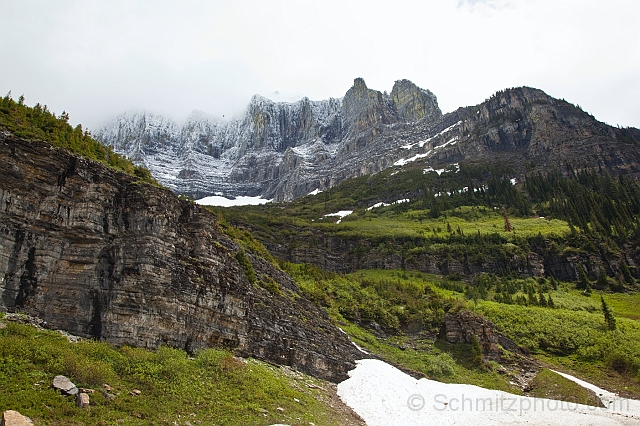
x=93, y=252
x=364, y=108
x=413, y=103
x=463, y=326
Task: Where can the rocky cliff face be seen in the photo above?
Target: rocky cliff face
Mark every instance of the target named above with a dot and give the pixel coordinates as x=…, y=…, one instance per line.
x=92, y=252
x=463, y=326
x=276, y=150
x=413, y=103
x=282, y=151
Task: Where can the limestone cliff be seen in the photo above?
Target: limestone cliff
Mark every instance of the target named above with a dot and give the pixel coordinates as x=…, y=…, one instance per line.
x=92, y=252
x=364, y=108
x=413, y=103
x=287, y=150
x=276, y=149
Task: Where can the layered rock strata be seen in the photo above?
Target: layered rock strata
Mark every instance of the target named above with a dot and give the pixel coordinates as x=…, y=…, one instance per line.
x=92, y=252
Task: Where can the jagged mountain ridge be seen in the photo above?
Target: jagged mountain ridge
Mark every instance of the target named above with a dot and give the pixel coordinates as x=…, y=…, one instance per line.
x=277, y=150
x=286, y=150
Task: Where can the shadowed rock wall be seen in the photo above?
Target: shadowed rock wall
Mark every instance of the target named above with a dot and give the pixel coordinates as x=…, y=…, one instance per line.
x=92, y=252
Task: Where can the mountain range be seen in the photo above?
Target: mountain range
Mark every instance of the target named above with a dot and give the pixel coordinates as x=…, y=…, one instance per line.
x=468, y=273
x=282, y=151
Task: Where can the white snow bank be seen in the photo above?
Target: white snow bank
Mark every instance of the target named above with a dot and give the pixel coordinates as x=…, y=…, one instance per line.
x=440, y=171
x=341, y=214
x=431, y=169
x=403, y=161
x=451, y=141
x=383, y=395
x=217, y=200
x=376, y=205
x=609, y=399
x=426, y=141
x=381, y=204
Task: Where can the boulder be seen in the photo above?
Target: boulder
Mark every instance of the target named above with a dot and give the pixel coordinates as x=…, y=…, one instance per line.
x=13, y=418
x=82, y=400
x=64, y=385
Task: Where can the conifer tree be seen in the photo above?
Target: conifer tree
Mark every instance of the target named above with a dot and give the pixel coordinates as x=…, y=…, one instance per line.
x=507, y=224
x=628, y=278
x=476, y=351
x=583, y=280
x=542, y=300
x=609, y=319
x=550, y=302
x=602, y=282
x=587, y=291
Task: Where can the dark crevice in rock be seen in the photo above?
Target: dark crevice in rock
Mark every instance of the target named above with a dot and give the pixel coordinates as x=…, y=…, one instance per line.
x=95, y=326
x=28, y=280
x=68, y=172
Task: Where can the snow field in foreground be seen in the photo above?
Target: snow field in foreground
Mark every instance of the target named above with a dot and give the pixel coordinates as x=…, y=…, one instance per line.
x=383, y=395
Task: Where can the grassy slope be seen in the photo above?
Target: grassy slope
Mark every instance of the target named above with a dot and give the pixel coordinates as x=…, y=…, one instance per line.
x=570, y=335
x=405, y=220
x=211, y=388
x=550, y=385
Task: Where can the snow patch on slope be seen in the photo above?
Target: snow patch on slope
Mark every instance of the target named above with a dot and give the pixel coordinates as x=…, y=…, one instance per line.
x=381, y=204
x=426, y=141
x=383, y=395
x=341, y=214
x=216, y=200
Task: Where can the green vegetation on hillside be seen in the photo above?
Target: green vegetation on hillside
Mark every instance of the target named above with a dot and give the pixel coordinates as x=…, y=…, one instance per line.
x=597, y=204
x=211, y=388
x=467, y=213
x=473, y=215
x=394, y=300
x=41, y=124
x=397, y=315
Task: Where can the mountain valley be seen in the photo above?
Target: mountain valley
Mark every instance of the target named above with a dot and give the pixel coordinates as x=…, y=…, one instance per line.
x=483, y=246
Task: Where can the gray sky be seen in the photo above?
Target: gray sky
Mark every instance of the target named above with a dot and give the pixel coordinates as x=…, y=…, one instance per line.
x=96, y=59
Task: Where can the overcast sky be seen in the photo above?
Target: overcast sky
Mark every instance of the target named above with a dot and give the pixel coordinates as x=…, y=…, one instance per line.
x=96, y=59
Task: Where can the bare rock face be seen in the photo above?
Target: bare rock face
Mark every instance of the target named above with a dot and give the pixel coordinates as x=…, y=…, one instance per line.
x=277, y=150
x=363, y=108
x=413, y=103
x=92, y=252
x=460, y=327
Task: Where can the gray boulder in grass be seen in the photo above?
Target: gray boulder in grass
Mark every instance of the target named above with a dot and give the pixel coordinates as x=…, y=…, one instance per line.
x=64, y=385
